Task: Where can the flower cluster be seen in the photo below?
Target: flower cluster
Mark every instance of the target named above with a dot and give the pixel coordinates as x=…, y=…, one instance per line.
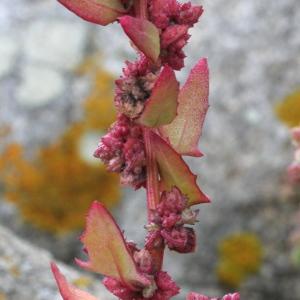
x=158, y=123
x=174, y=20
x=122, y=150
x=134, y=88
x=162, y=287
x=168, y=223
x=294, y=168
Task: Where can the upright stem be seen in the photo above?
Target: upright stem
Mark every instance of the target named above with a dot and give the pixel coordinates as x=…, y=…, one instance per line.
x=140, y=7
x=152, y=175
x=153, y=196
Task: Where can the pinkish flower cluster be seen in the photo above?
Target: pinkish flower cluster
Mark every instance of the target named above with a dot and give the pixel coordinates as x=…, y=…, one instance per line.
x=122, y=150
x=161, y=288
x=294, y=167
x=134, y=87
x=158, y=123
x=174, y=20
x=168, y=224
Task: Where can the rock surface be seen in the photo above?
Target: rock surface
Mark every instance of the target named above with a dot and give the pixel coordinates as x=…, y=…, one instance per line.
x=25, y=272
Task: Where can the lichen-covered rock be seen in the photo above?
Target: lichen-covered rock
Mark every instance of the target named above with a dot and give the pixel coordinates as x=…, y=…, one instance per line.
x=25, y=272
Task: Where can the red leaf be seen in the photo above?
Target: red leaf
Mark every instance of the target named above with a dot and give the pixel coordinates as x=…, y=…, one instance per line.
x=175, y=172
x=107, y=249
x=100, y=12
x=68, y=291
x=161, y=108
x=143, y=34
x=184, y=132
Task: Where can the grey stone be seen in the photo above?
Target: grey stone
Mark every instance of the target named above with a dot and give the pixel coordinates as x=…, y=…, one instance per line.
x=56, y=43
x=25, y=272
x=39, y=85
x=9, y=48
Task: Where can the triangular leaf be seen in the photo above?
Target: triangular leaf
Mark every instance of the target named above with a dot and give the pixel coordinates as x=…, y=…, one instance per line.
x=107, y=249
x=161, y=108
x=175, y=172
x=68, y=291
x=184, y=132
x=100, y=12
x=143, y=34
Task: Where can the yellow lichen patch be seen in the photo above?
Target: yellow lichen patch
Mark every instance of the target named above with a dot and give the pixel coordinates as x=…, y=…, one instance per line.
x=98, y=114
x=2, y=296
x=288, y=111
x=15, y=271
x=239, y=256
x=54, y=189
x=82, y=282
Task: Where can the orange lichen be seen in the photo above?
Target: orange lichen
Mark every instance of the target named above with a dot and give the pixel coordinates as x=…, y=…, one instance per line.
x=98, y=113
x=55, y=188
x=2, y=296
x=288, y=111
x=239, y=256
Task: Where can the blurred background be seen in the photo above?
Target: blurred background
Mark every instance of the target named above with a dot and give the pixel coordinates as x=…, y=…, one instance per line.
x=56, y=89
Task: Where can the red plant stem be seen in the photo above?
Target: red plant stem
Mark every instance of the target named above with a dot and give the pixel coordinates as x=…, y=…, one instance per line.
x=153, y=196
x=152, y=175
x=140, y=7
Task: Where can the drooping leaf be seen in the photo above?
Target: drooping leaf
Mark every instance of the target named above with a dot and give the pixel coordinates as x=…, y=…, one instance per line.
x=184, y=132
x=143, y=34
x=100, y=12
x=175, y=172
x=68, y=291
x=161, y=108
x=107, y=249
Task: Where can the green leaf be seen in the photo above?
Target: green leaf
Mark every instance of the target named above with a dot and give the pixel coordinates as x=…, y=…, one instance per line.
x=161, y=108
x=185, y=131
x=175, y=172
x=107, y=249
x=68, y=291
x=143, y=34
x=100, y=12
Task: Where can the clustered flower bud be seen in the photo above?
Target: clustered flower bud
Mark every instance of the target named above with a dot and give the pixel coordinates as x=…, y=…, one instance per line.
x=294, y=167
x=122, y=150
x=162, y=287
x=168, y=223
x=174, y=20
x=134, y=87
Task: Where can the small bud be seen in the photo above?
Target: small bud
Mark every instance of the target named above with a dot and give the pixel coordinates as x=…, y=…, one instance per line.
x=149, y=291
x=153, y=240
x=296, y=135
x=182, y=240
x=143, y=260
x=122, y=150
x=294, y=173
x=134, y=88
